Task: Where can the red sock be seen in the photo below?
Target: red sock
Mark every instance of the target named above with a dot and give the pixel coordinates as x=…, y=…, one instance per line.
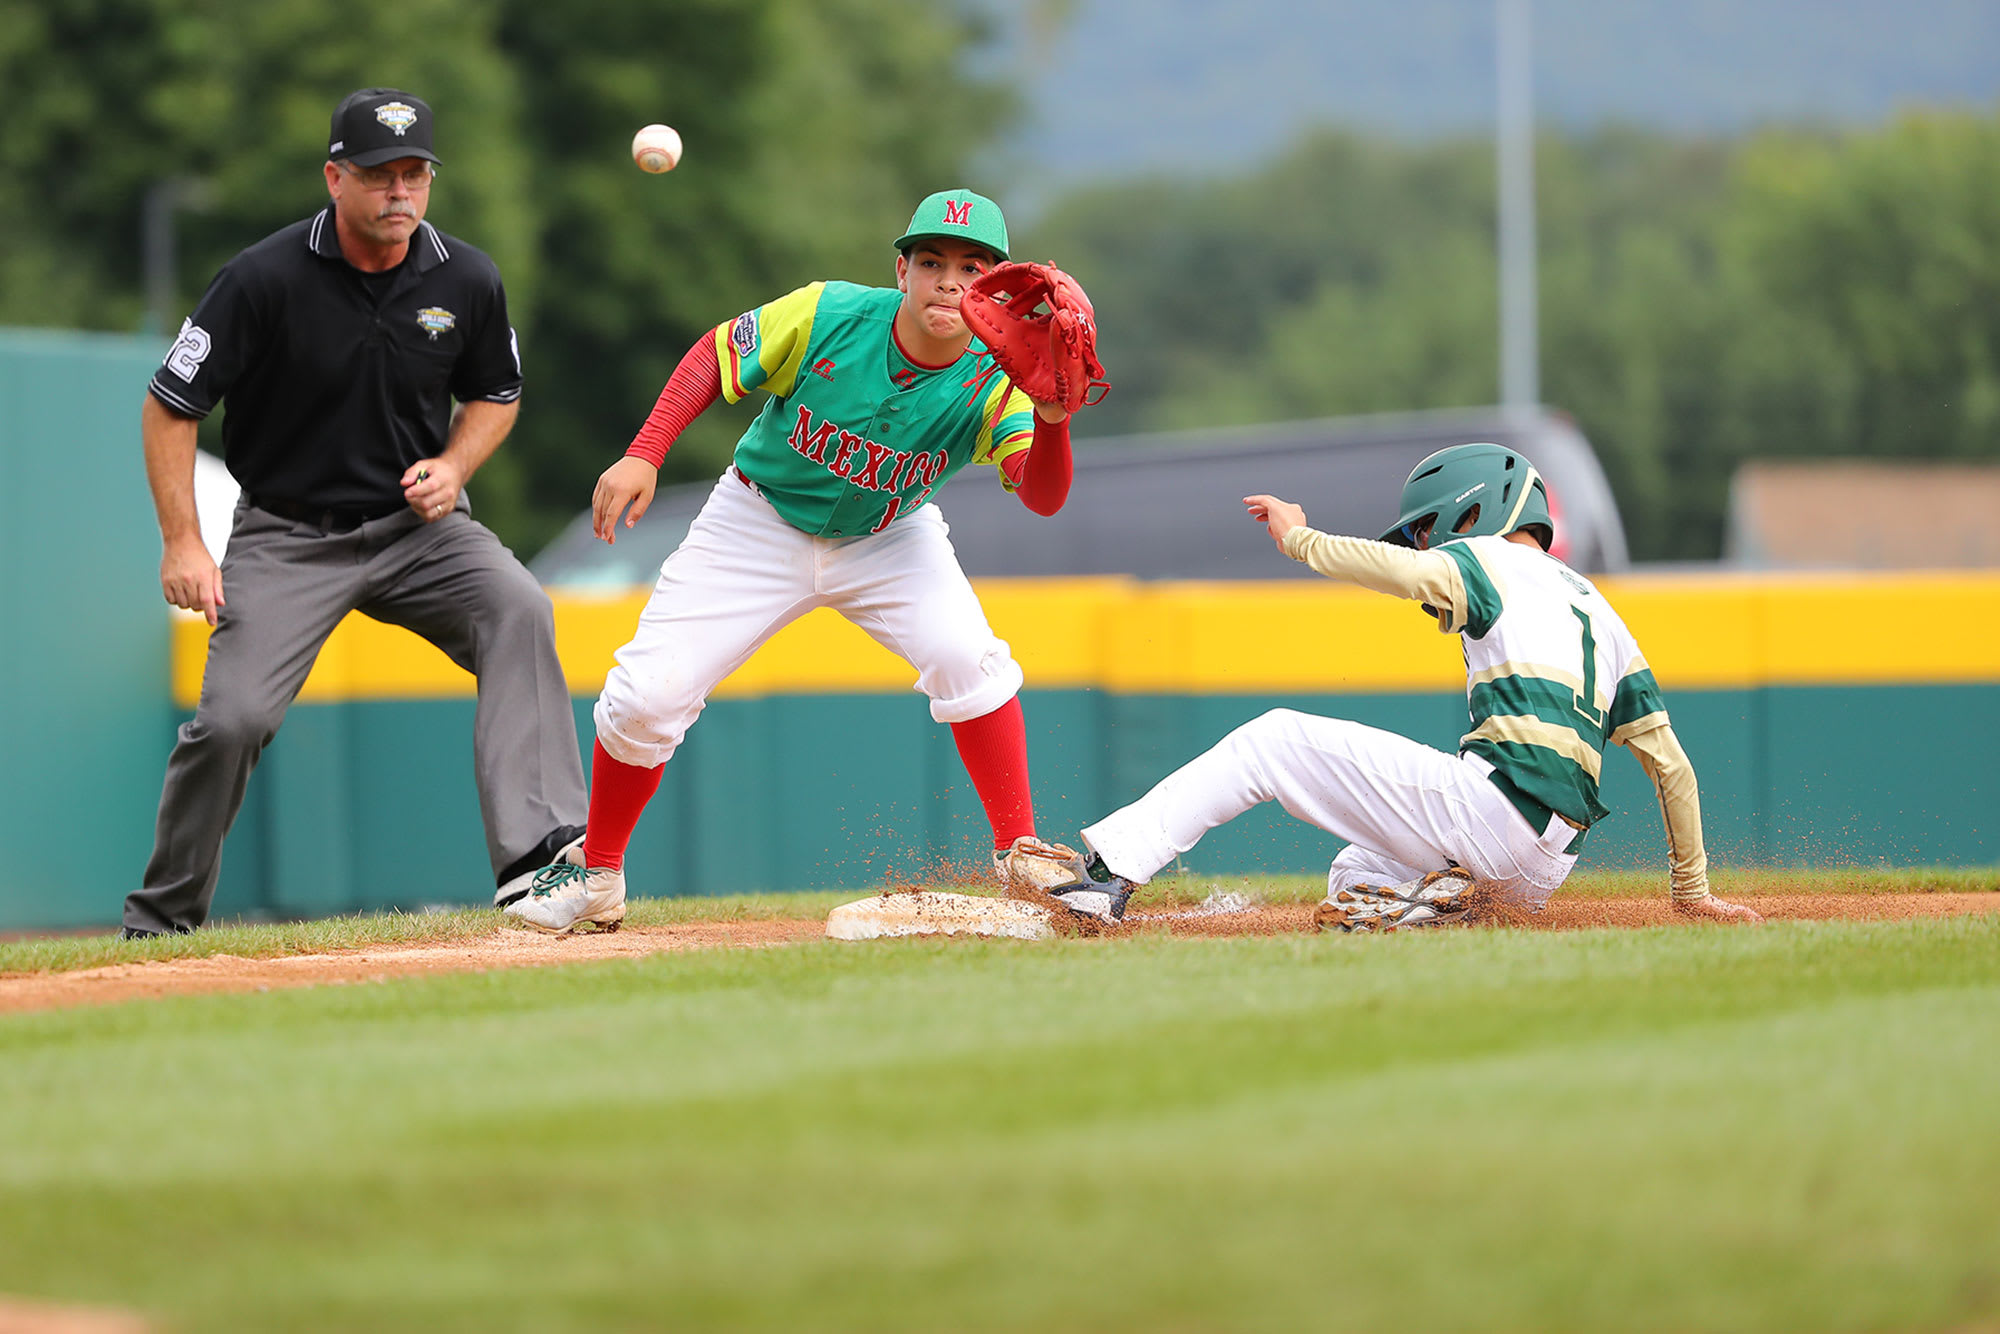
x=618, y=793
x=995, y=751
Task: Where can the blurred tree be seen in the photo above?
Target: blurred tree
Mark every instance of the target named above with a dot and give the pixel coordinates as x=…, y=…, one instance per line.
x=813, y=127
x=108, y=98
x=1873, y=262
x=1634, y=317
x=1254, y=298
x=1702, y=302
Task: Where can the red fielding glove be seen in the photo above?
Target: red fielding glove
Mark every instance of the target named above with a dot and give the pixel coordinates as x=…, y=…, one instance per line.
x=1051, y=357
x=695, y=383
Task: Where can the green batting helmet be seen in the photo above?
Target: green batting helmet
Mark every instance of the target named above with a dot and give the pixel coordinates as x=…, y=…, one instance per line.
x=1501, y=485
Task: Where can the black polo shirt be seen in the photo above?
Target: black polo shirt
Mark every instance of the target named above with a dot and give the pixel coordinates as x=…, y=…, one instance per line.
x=337, y=381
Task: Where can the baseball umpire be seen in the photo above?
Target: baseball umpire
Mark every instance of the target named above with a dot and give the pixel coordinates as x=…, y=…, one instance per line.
x=1553, y=676
x=876, y=396
x=339, y=344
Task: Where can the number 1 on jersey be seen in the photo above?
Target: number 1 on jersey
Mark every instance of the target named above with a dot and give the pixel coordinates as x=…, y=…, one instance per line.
x=1586, y=698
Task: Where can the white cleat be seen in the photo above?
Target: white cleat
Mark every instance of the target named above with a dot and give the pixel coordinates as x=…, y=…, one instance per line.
x=514, y=889
x=1032, y=866
x=1437, y=899
x=565, y=896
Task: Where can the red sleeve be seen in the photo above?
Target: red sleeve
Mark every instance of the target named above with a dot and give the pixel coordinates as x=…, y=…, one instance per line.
x=695, y=383
x=1041, y=473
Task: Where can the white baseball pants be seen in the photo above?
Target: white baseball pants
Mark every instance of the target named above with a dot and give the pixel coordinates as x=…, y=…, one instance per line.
x=743, y=574
x=1404, y=808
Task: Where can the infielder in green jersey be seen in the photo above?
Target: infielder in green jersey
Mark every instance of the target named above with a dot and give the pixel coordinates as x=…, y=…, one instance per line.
x=1552, y=675
x=875, y=397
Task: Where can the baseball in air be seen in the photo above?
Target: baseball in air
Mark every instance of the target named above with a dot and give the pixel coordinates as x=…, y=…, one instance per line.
x=657, y=148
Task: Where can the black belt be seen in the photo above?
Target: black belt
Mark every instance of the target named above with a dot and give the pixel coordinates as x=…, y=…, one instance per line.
x=326, y=518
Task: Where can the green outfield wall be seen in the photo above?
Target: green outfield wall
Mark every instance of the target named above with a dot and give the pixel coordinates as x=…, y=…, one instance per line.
x=84, y=634
x=1833, y=720
x=818, y=765
x=347, y=809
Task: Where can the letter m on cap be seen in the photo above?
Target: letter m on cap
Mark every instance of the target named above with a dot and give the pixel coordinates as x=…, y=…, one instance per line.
x=957, y=213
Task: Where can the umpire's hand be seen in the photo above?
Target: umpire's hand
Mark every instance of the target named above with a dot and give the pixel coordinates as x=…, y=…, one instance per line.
x=431, y=487
x=189, y=577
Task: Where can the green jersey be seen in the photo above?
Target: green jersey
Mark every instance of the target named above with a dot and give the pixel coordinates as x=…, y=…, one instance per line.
x=1552, y=674
x=855, y=434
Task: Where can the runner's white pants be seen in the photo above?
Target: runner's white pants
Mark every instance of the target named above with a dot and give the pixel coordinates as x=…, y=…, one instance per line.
x=743, y=574
x=1404, y=808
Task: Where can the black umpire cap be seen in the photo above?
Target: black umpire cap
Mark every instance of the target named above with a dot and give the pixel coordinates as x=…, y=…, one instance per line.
x=377, y=125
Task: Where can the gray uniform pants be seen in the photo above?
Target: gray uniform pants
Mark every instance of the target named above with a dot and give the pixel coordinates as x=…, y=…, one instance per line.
x=287, y=586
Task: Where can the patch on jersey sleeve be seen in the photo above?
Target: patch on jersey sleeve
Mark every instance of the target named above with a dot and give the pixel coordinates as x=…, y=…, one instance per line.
x=743, y=335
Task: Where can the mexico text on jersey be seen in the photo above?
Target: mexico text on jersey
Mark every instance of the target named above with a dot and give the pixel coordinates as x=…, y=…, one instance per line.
x=855, y=434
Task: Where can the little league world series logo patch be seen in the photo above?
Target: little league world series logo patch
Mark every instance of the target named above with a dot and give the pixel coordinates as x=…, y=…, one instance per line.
x=743, y=334
x=398, y=116
x=435, y=320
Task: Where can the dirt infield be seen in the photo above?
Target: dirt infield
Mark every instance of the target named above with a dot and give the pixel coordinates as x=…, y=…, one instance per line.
x=26, y=1317
x=513, y=948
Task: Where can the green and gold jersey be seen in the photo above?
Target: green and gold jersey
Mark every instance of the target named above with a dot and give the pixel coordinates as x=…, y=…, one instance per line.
x=1552, y=674
x=855, y=435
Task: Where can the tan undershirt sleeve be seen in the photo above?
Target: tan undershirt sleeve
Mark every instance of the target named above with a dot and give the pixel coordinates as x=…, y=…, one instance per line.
x=1429, y=577
x=1661, y=756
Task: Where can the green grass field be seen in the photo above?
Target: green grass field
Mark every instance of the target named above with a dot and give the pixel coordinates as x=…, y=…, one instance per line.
x=46, y=953
x=1679, y=1128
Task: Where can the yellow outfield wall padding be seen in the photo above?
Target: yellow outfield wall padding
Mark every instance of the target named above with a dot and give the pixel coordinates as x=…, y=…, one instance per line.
x=1946, y=628
x=1703, y=633
x=1699, y=631
x=1233, y=638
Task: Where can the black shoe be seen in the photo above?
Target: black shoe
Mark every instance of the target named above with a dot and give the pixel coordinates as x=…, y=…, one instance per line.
x=1102, y=894
x=512, y=884
x=144, y=933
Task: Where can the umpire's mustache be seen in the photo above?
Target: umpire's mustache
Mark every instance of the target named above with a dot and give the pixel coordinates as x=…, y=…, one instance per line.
x=396, y=208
